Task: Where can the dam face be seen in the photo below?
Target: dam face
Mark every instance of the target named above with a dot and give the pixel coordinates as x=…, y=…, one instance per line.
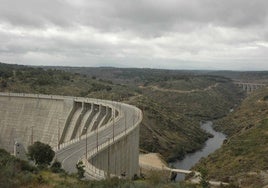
x=26, y=120
x=104, y=135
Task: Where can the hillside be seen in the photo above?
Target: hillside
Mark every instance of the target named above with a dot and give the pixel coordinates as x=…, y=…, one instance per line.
x=17, y=173
x=245, y=76
x=244, y=156
x=172, y=116
x=173, y=102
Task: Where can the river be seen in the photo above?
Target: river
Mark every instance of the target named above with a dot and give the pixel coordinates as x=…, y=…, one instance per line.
x=210, y=146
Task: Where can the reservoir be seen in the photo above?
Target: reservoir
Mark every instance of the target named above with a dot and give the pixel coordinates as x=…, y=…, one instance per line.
x=210, y=146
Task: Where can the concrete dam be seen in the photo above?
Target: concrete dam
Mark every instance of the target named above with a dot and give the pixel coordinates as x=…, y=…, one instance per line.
x=103, y=134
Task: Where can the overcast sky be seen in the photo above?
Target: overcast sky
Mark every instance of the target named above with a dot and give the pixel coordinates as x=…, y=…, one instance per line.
x=172, y=34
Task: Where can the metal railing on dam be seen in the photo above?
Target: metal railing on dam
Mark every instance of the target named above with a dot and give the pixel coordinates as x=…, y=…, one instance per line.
x=110, y=148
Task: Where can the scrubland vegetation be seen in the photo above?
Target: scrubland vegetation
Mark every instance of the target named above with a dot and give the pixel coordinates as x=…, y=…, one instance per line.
x=171, y=117
x=244, y=156
x=173, y=103
x=17, y=173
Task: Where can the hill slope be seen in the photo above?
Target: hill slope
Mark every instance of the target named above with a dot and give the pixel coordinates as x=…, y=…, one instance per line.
x=244, y=156
x=173, y=102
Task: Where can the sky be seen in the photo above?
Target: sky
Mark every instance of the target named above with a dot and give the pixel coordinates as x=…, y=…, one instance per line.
x=169, y=34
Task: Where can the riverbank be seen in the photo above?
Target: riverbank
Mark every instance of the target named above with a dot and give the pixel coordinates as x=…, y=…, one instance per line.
x=210, y=146
x=243, y=159
x=153, y=162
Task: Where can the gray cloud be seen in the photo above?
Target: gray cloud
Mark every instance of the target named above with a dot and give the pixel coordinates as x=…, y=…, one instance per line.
x=142, y=14
x=153, y=33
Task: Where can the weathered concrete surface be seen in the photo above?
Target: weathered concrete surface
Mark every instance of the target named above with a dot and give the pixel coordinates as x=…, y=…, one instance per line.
x=112, y=149
x=26, y=120
x=121, y=157
x=76, y=128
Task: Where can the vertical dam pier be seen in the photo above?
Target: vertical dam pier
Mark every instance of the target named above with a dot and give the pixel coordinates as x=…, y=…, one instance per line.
x=103, y=134
x=249, y=87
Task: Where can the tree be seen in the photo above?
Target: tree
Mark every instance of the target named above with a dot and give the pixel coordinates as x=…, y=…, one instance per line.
x=204, y=177
x=41, y=153
x=80, y=169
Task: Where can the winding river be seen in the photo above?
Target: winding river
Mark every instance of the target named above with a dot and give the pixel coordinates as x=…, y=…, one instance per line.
x=210, y=146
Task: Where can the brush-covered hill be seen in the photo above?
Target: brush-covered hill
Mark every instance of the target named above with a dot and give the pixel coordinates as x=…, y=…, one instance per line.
x=173, y=102
x=244, y=76
x=243, y=159
x=173, y=110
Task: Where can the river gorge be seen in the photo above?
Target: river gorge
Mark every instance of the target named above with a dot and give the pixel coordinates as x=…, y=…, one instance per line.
x=210, y=146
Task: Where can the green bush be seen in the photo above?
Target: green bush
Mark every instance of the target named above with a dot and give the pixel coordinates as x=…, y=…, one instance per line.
x=80, y=169
x=40, y=153
x=56, y=167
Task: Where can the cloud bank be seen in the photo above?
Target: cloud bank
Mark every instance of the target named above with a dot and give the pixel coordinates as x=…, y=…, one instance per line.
x=172, y=34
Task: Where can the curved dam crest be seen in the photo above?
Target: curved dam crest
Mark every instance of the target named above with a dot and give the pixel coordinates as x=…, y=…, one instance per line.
x=103, y=134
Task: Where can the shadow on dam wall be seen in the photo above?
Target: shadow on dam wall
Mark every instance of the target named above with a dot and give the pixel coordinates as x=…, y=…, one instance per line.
x=28, y=119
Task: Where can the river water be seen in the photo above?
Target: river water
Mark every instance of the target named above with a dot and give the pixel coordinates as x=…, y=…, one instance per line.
x=210, y=146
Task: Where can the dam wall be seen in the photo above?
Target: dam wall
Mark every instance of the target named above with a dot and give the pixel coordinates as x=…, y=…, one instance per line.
x=29, y=119
x=119, y=158
x=119, y=155
x=103, y=134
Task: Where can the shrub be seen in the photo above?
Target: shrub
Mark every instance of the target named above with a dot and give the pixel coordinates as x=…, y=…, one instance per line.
x=157, y=177
x=80, y=169
x=56, y=167
x=41, y=153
